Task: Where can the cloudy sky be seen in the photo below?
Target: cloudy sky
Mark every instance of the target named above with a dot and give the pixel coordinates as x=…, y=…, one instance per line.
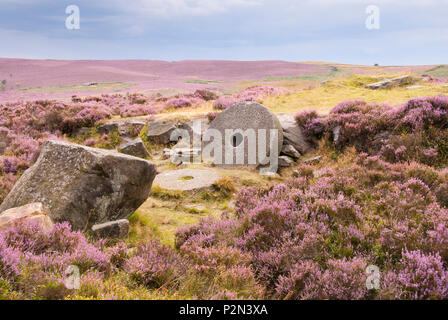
x=411, y=31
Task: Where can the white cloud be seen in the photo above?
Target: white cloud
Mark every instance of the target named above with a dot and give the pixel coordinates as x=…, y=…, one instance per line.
x=166, y=8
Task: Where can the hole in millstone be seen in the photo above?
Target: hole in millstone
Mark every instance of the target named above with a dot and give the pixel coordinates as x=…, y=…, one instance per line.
x=236, y=139
x=186, y=178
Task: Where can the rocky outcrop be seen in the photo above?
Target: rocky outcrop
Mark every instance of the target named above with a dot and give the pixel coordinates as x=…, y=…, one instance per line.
x=292, y=134
x=290, y=151
x=82, y=185
x=135, y=148
x=160, y=132
x=34, y=212
x=390, y=83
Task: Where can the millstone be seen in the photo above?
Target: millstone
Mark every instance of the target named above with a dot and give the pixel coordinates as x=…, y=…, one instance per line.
x=244, y=116
x=186, y=179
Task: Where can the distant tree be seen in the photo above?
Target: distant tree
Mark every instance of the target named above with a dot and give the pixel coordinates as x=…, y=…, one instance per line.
x=376, y=64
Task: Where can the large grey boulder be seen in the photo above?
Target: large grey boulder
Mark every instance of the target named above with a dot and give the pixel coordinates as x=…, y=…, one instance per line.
x=241, y=126
x=135, y=148
x=292, y=134
x=160, y=132
x=83, y=185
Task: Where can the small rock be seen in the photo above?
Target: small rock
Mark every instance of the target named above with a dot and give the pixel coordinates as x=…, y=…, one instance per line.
x=160, y=132
x=290, y=151
x=82, y=131
x=35, y=212
x=107, y=128
x=130, y=128
x=205, y=94
x=315, y=159
x=336, y=134
x=113, y=229
x=135, y=148
x=284, y=161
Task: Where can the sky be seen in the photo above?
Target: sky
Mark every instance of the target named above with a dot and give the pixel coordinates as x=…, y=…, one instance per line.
x=411, y=32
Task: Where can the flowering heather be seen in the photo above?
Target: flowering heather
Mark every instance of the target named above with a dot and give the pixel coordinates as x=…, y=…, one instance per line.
x=312, y=238
x=418, y=130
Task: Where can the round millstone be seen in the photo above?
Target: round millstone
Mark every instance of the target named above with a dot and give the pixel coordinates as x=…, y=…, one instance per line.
x=186, y=179
x=239, y=118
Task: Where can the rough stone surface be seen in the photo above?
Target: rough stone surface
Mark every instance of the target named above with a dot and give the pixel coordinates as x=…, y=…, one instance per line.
x=160, y=132
x=125, y=127
x=292, y=134
x=107, y=128
x=112, y=229
x=130, y=127
x=315, y=159
x=135, y=148
x=195, y=133
x=290, y=151
x=390, y=83
x=284, y=161
x=244, y=116
x=35, y=212
x=83, y=185
x=186, y=179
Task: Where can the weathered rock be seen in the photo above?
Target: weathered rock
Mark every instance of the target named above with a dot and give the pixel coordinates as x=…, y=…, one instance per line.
x=195, y=129
x=290, y=151
x=292, y=134
x=125, y=127
x=390, y=83
x=312, y=160
x=82, y=131
x=34, y=212
x=112, y=229
x=336, y=134
x=83, y=185
x=205, y=94
x=131, y=127
x=135, y=148
x=284, y=161
x=235, y=125
x=160, y=132
x=107, y=128
x=186, y=179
